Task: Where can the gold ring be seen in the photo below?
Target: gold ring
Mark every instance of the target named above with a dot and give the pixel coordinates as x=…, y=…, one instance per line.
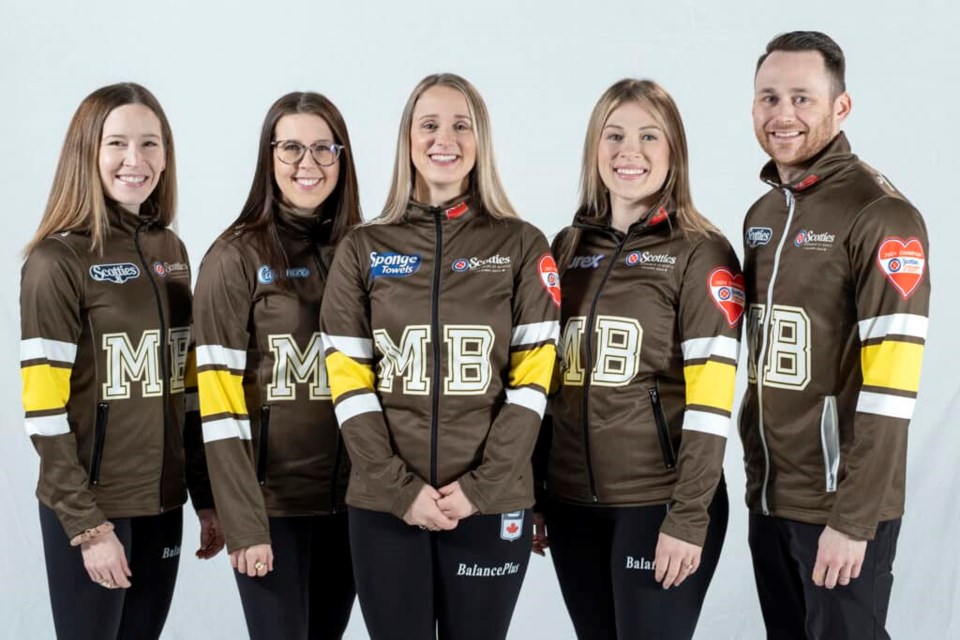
x=106, y=584
x=259, y=565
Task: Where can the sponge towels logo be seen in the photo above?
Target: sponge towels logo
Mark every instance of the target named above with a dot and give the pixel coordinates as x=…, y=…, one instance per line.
x=394, y=265
x=549, y=276
x=727, y=292
x=117, y=273
x=902, y=263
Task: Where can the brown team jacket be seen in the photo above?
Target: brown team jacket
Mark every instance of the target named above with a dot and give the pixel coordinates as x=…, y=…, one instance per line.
x=271, y=437
x=105, y=360
x=838, y=291
x=651, y=321
x=440, y=339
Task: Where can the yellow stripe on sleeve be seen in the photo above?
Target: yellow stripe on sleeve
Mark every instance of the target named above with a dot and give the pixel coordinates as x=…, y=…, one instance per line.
x=221, y=392
x=710, y=384
x=45, y=387
x=892, y=364
x=533, y=366
x=346, y=374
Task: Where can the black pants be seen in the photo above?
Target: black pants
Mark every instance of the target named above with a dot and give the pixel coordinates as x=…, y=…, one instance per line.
x=83, y=610
x=309, y=594
x=456, y=585
x=604, y=558
x=784, y=553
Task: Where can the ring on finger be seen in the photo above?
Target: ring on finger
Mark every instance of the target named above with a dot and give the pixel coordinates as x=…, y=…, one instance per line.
x=106, y=584
x=259, y=566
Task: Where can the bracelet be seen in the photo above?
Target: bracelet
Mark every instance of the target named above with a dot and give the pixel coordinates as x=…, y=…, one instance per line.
x=91, y=534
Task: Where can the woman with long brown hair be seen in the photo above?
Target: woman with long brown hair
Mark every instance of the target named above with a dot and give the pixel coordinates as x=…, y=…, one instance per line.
x=634, y=502
x=277, y=465
x=439, y=329
x=108, y=375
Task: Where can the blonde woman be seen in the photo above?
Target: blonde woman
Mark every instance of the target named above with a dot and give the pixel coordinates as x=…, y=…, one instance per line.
x=107, y=372
x=635, y=506
x=440, y=323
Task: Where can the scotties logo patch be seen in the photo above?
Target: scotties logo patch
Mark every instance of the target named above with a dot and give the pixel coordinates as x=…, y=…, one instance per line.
x=549, y=276
x=902, y=262
x=728, y=294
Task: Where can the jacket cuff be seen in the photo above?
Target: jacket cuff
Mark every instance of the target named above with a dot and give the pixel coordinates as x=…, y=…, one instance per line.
x=91, y=534
x=247, y=540
x=201, y=497
x=693, y=535
x=858, y=531
x=468, y=484
x=407, y=495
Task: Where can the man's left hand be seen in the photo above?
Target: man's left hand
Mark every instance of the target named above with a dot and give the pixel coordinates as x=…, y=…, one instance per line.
x=839, y=559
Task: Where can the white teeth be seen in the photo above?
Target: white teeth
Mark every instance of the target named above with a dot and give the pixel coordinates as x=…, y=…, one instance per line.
x=132, y=179
x=307, y=182
x=785, y=134
x=443, y=158
x=630, y=172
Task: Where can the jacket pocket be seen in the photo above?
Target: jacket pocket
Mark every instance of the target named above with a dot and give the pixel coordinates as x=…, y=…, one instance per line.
x=830, y=440
x=99, y=433
x=666, y=447
x=262, y=444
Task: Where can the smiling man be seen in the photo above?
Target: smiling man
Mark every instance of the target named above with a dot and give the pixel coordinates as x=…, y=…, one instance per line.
x=835, y=261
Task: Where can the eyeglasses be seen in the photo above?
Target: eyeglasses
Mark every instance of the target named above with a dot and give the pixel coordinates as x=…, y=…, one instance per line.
x=292, y=152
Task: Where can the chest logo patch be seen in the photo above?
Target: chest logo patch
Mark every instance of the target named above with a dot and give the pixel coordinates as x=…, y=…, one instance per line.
x=758, y=236
x=585, y=262
x=902, y=263
x=117, y=273
x=492, y=264
x=728, y=293
x=394, y=265
x=549, y=277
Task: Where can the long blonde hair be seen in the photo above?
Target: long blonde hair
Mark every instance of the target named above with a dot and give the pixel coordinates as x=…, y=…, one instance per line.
x=484, y=179
x=675, y=194
x=77, y=201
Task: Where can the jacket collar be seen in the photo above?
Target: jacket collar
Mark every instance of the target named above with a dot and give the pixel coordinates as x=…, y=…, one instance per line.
x=119, y=219
x=292, y=223
x=460, y=208
x=650, y=220
x=833, y=158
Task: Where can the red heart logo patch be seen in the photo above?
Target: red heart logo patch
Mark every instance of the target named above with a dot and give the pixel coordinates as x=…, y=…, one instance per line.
x=728, y=293
x=902, y=263
x=549, y=277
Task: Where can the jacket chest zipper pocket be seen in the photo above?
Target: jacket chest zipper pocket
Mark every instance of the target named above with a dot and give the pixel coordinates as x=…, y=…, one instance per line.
x=99, y=433
x=262, y=444
x=666, y=447
x=830, y=441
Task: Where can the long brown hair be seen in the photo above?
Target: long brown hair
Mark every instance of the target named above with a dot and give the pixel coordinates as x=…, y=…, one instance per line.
x=675, y=194
x=484, y=178
x=77, y=201
x=342, y=206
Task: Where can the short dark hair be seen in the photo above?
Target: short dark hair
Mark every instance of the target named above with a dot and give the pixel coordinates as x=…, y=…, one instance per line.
x=813, y=41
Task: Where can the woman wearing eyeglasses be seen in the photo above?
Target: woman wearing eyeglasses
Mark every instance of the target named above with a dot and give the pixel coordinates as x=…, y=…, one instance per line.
x=440, y=325
x=278, y=468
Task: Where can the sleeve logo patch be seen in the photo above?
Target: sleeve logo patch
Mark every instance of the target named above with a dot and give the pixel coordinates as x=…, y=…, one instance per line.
x=728, y=293
x=549, y=276
x=394, y=265
x=902, y=263
x=511, y=526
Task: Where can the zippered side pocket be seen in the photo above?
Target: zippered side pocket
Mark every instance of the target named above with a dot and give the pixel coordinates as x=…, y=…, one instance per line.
x=99, y=433
x=666, y=447
x=830, y=440
x=262, y=444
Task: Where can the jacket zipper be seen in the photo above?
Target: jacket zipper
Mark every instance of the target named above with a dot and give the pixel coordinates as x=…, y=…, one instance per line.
x=334, y=481
x=666, y=446
x=164, y=362
x=435, y=329
x=762, y=355
x=589, y=363
x=262, y=444
x=99, y=433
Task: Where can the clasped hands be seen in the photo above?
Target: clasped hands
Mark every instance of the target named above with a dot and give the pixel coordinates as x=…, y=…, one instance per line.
x=439, y=509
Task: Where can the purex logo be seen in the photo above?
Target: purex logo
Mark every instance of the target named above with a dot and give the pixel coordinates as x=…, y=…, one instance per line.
x=757, y=236
x=394, y=265
x=117, y=273
x=585, y=262
x=495, y=264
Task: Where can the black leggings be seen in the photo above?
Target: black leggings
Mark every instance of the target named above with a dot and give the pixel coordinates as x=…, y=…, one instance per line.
x=309, y=594
x=604, y=561
x=83, y=610
x=456, y=585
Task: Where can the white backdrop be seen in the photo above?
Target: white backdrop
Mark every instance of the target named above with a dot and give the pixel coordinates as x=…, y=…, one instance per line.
x=217, y=66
